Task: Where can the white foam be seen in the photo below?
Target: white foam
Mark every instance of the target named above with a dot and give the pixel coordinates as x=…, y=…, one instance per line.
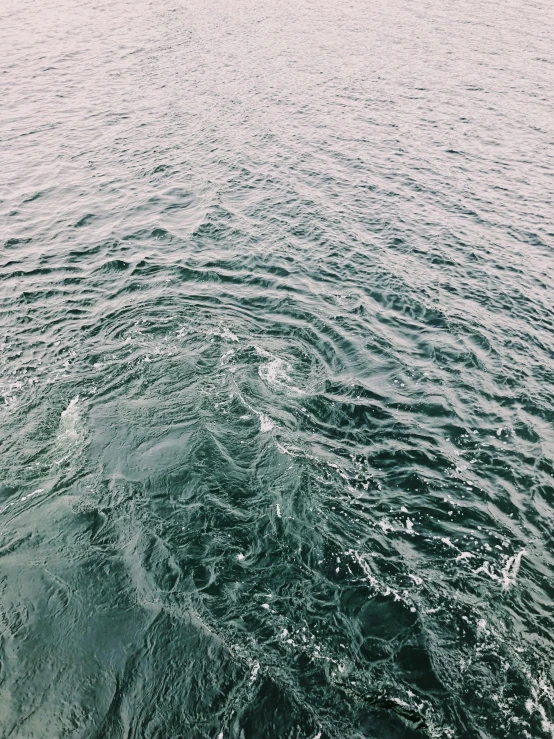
x=31, y=495
x=70, y=432
x=262, y=352
x=485, y=568
x=278, y=510
x=254, y=671
x=227, y=334
x=282, y=449
x=365, y=567
x=273, y=372
x=464, y=555
x=277, y=372
x=509, y=573
x=266, y=424
x=69, y=419
x=539, y=691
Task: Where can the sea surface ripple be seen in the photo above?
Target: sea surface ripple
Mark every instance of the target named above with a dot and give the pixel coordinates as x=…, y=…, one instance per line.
x=276, y=369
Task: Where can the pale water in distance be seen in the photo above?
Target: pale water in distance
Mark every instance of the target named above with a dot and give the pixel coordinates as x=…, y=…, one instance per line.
x=276, y=369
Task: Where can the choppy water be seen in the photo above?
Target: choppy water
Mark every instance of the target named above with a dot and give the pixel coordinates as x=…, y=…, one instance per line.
x=276, y=369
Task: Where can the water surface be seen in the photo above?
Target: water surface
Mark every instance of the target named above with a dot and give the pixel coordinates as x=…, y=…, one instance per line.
x=276, y=369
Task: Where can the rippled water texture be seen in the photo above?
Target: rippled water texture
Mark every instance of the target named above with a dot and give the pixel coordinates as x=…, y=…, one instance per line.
x=276, y=369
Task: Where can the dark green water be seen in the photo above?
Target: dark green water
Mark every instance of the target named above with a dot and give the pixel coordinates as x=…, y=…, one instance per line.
x=276, y=369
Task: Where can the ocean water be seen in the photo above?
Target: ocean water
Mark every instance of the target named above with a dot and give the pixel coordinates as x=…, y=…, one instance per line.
x=276, y=369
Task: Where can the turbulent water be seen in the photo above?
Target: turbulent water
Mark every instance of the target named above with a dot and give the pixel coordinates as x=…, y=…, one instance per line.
x=276, y=369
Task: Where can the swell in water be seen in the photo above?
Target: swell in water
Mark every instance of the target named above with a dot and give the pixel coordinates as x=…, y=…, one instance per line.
x=276, y=366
